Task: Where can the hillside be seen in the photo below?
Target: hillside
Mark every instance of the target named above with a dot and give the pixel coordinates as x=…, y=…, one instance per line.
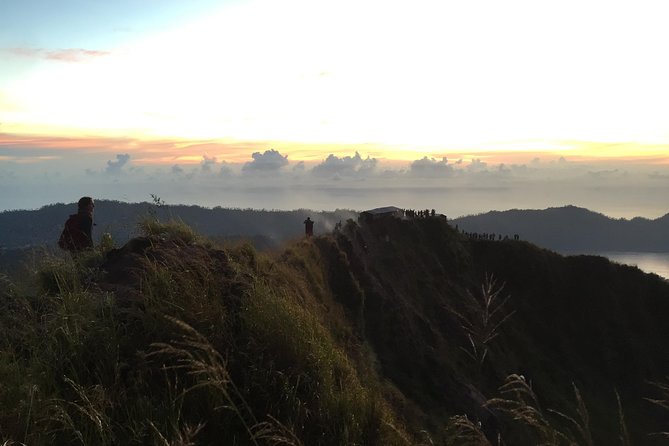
x=385, y=332
x=571, y=229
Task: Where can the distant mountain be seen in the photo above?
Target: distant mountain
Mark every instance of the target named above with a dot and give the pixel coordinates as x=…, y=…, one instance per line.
x=42, y=227
x=565, y=229
x=571, y=229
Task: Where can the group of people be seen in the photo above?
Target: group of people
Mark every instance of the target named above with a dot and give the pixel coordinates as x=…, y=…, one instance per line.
x=412, y=213
x=488, y=236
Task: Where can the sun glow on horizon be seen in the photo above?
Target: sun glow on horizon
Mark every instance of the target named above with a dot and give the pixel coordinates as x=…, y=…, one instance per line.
x=168, y=152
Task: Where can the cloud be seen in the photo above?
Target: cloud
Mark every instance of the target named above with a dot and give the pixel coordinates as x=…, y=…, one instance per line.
x=348, y=166
x=392, y=173
x=270, y=161
x=503, y=169
x=70, y=55
x=225, y=170
x=430, y=167
x=207, y=163
x=519, y=169
x=177, y=169
x=477, y=165
x=299, y=167
x=114, y=167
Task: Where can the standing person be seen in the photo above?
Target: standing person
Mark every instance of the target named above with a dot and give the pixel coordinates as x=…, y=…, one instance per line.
x=308, y=227
x=77, y=234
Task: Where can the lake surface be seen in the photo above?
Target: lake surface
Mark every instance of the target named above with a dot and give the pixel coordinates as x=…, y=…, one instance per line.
x=650, y=262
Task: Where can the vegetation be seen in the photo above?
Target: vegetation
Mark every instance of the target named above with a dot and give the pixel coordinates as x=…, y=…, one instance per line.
x=387, y=332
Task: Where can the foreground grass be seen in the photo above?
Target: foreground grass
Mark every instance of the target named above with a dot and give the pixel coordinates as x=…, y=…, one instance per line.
x=173, y=341
x=204, y=349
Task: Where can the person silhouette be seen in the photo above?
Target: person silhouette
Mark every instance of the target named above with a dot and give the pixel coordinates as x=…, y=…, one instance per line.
x=308, y=227
x=77, y=234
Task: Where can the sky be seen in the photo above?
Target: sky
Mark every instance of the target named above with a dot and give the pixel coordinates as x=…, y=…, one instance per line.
x=459, y=106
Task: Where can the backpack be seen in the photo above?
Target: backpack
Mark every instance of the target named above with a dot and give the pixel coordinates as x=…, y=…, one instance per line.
x=72, y=238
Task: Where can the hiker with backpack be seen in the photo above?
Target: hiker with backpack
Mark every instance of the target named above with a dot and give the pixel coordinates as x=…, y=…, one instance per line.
x=76, y=235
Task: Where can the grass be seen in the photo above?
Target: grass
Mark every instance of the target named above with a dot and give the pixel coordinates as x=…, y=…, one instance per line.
x=662, y=401
x=461, y=431
x=210, y=347
x=197, y=344
x=194, y=354
x=519, y=401
x=315, y=371
x=482, y=318
x=175, y=230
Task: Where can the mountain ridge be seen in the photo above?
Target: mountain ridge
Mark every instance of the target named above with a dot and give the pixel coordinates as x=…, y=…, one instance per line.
x=41, y=227
x=566, y=229
x=570, y=229
x=368, y=335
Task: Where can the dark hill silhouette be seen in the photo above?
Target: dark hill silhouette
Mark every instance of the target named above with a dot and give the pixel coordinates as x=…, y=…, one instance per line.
x=566, y=229
x=571, y=229
x=42, y=227
x=578, y=319
x=373, y=335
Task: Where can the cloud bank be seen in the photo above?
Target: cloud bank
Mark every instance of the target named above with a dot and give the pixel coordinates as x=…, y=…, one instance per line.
x=270, y=180
x=347, y=166
x=270, y=161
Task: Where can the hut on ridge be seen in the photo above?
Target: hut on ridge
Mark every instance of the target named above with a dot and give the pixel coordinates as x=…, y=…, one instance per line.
x=384, y=212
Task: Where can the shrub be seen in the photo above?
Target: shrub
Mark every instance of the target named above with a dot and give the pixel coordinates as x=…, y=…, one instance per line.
x=174, y=230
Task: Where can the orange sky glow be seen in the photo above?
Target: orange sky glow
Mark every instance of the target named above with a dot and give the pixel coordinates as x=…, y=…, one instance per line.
x=451, y=79
x=182, y=151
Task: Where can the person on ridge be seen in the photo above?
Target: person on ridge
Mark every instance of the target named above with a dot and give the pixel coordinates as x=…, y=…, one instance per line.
x=308, y=227
x=77, y=234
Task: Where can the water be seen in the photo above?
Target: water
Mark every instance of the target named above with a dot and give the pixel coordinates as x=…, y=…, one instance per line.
x=650, y=262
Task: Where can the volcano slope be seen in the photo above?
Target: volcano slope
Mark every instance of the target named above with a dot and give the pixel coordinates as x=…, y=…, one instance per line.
x=384, y=332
